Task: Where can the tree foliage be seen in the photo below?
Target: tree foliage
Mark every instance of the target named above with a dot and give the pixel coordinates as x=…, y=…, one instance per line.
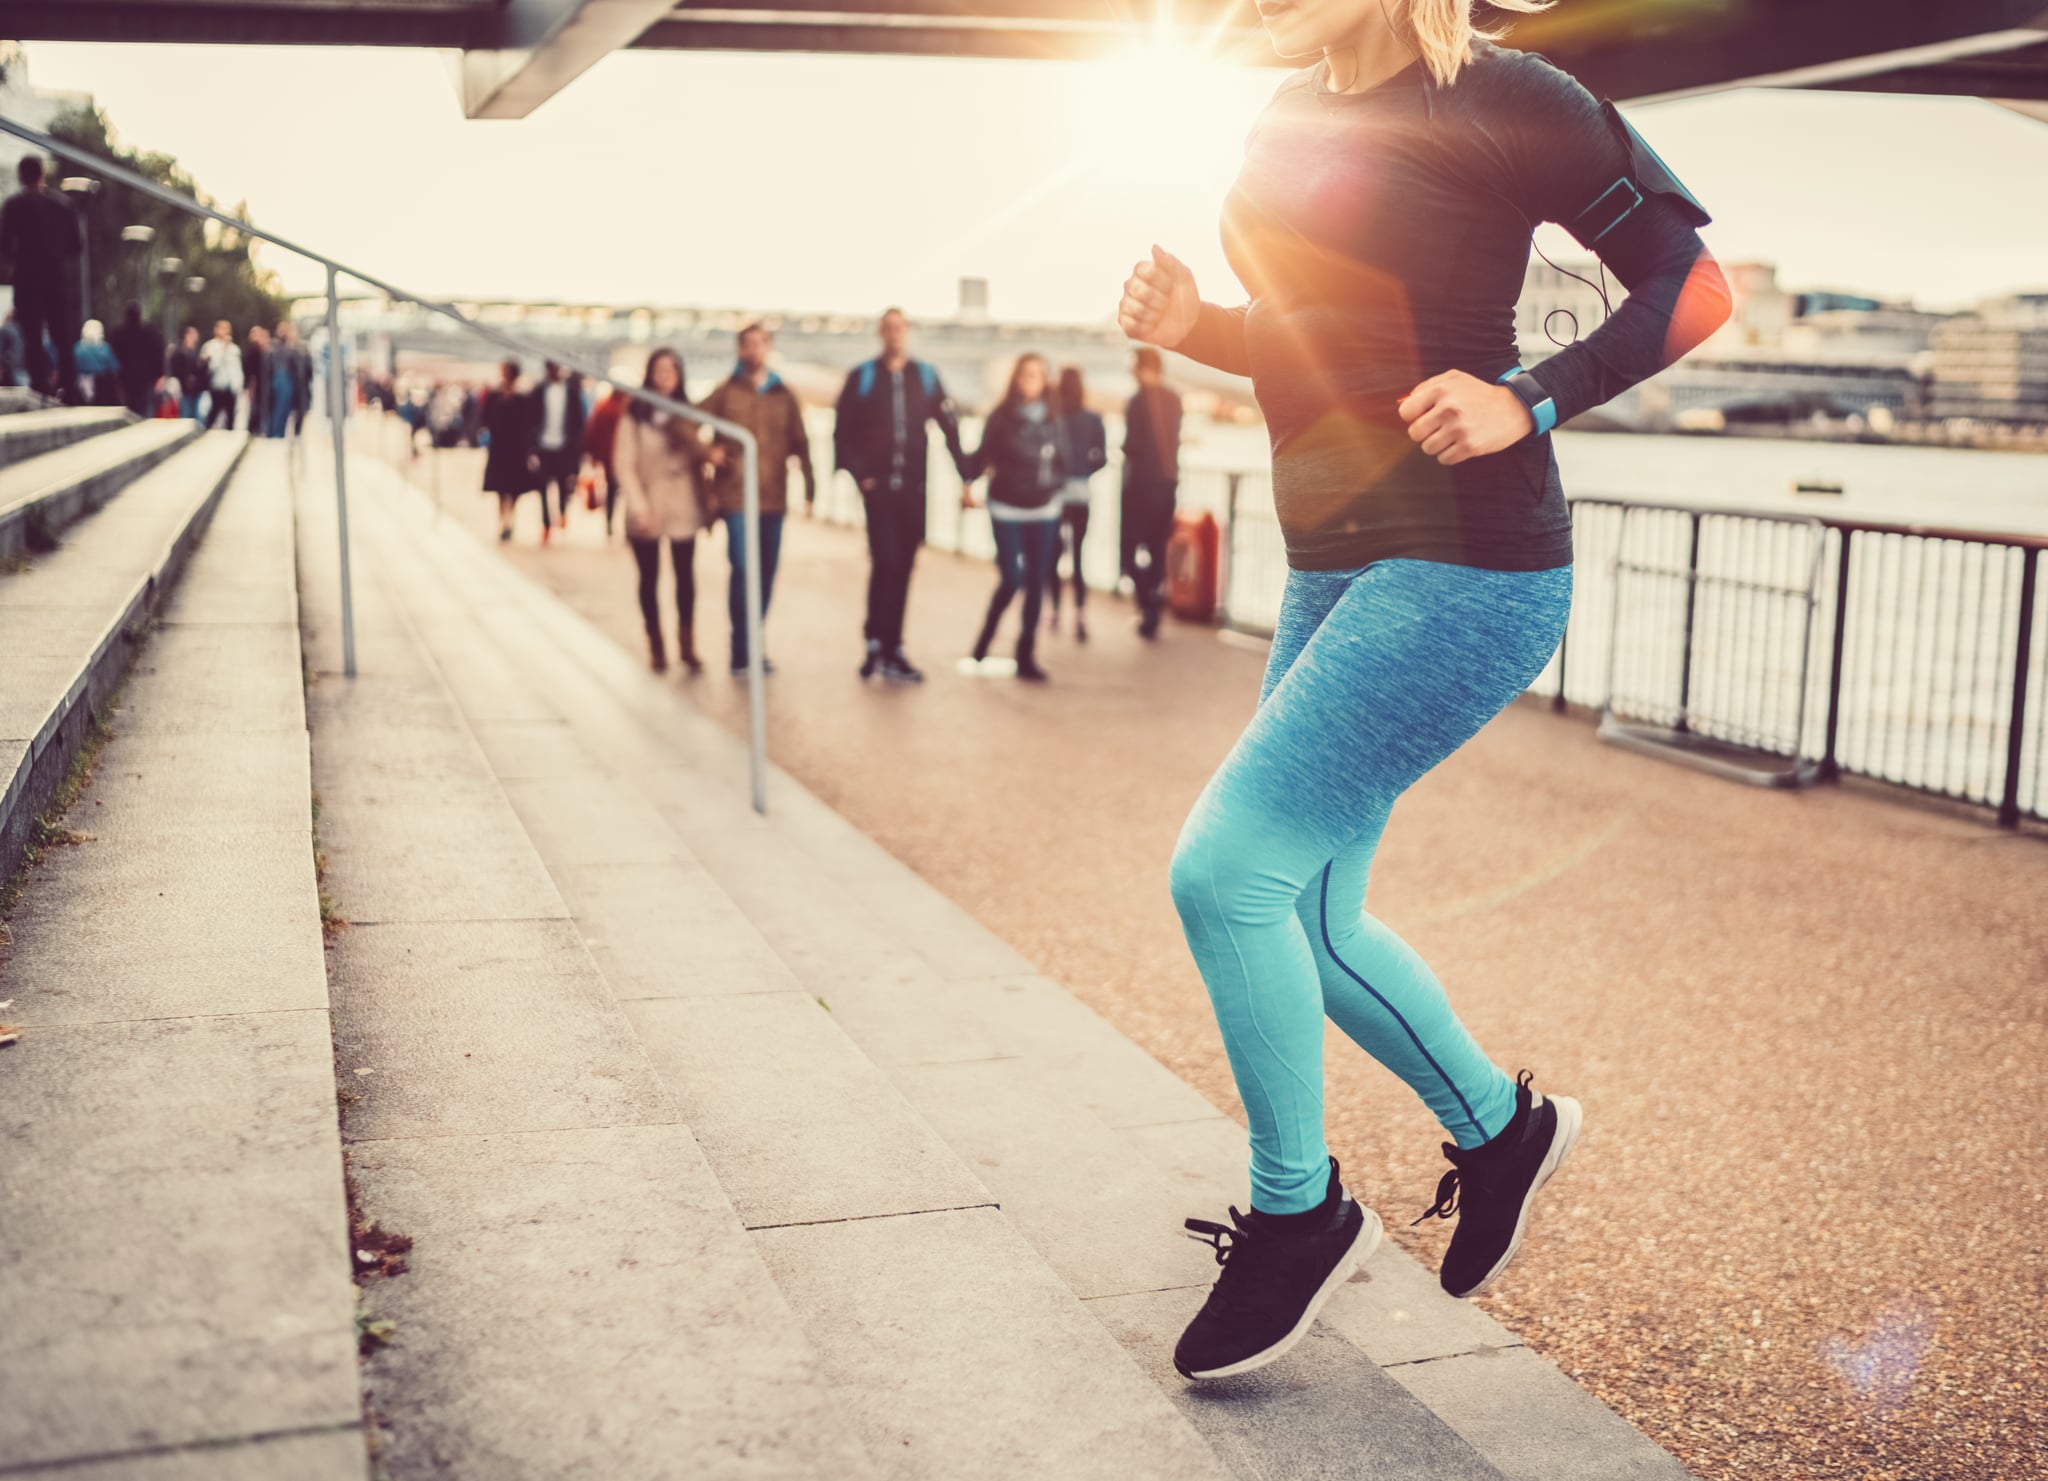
x=237, y=288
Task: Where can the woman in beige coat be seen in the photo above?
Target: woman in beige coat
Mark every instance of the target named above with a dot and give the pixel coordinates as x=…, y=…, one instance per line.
x=658, y=459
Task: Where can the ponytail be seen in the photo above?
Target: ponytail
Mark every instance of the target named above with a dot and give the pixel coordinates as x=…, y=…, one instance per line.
x=1443, y=31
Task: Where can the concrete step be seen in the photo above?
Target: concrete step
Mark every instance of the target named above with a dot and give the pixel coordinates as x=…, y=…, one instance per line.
x=1093, y=1149
x=580, y=1287
x=69, y=619
x=958, y=1349
x=41, y=495
x=175, y=1297
x=32, y=433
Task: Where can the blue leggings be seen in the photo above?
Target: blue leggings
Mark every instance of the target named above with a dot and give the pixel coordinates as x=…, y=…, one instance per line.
x=1376, y=675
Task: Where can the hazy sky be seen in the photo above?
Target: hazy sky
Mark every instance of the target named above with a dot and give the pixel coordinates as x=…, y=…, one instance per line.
x=826, y=182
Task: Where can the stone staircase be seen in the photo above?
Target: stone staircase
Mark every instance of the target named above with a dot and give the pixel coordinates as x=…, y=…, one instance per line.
x=726, y=1146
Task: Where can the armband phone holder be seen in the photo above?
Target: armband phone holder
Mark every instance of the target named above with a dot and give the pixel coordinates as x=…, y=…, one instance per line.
x=1647, y=175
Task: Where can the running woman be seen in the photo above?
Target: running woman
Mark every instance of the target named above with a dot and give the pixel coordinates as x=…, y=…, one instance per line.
x=1381, y=226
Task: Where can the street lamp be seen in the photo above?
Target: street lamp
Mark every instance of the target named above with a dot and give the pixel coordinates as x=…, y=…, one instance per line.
x=82, y=188
x=143, y=235
x=169, y=268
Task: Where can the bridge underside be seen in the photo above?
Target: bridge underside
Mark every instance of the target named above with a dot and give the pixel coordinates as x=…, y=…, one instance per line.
x=517, y=53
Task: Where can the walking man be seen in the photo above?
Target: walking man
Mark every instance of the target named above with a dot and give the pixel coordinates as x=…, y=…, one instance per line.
x=140, y=349
x=880, y=439
x=558, y=440
x=755, y=397
x=188, y=369
x=40, y=243
x=223, y=359
x=1151, y=478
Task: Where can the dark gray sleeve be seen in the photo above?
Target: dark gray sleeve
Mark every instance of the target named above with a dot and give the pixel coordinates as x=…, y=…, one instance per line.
x=1217, y=339
x=1558, y=156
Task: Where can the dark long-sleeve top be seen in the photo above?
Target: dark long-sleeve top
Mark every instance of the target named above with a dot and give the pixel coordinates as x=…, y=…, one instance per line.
x=1022, y=455
x=879, y=433
x=39, y=237
x=1152, y=441
x=1383, y=238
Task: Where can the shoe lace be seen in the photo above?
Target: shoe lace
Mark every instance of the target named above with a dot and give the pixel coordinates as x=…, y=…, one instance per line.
x=1226, y=1239
x=1447, y=1188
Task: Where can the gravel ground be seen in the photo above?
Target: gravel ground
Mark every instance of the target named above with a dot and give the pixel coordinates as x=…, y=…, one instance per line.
x=1803, y=1236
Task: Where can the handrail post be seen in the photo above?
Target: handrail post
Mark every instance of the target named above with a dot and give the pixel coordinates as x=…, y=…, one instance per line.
x=334, y=417
x=1227, y=547
x=2016, y=731
x=1830, y=770
x=1692, y=590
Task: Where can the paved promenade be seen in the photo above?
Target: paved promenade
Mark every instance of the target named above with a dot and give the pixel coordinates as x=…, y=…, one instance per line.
x=1802, y=1236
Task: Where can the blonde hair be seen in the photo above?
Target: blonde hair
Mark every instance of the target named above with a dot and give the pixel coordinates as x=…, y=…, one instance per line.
x=1443, y=31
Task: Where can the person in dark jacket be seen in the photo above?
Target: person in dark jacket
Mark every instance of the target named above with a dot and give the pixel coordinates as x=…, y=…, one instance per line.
x=1151, y=479
x=508, y=464
x=188, y=369
x=256, y=375
x=1020, y=449
x=1086, y=447
x=140, y=349
x=879, y=437
x=40, y=242
x=557, y=443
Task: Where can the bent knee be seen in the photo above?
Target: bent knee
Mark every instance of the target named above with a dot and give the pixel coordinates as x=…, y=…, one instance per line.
x=1217, y=881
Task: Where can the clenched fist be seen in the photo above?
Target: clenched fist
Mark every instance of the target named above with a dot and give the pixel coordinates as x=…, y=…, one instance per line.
x=1159, y=305
x=1455, y=416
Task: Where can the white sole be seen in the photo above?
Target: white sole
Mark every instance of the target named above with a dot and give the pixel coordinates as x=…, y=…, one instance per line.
x=1361, y=1250
x=1569, y=1118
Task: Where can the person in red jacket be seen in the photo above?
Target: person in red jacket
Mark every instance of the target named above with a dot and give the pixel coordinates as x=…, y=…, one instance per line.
x=600, y=432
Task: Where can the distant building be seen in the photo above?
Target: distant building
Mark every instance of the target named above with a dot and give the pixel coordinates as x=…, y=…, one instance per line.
x=974, y=300
x=1991, y=365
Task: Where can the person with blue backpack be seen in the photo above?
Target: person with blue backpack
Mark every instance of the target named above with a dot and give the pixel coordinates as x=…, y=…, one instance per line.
x=880, y=438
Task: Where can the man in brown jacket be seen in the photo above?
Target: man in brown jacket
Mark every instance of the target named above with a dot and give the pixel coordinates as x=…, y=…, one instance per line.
x=755, y=397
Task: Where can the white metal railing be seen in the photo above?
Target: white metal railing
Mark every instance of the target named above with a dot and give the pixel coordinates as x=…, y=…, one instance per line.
x=757, y=712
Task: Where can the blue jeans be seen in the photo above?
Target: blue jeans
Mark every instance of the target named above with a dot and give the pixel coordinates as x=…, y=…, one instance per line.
x=1026, y=552
x=281, y=396
x=1376, y=675
x=736, y=590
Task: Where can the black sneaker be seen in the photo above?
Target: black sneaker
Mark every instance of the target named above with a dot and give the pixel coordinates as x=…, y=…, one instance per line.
x=1277, y=1273
x=1029, y=671
x=1490, y=1188
x=872, y=664
x=898, y=668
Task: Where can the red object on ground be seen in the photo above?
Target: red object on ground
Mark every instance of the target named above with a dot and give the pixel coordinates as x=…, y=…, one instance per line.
x=1192, y=561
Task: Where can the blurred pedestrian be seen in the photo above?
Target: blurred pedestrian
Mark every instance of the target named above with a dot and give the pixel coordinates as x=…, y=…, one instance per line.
x=223, y=375
x=291, y=382
x=188, y=369
x=879, y=438
x=40, y=242
x=1020, y=449
x=1085, y=445
x=97, y=367
x=508, y=457
x=140, y=349
x=558, y=442
x=756, y=397
x=600, y=442
x=256, y=372
x=659, y=458
x=1151, y=482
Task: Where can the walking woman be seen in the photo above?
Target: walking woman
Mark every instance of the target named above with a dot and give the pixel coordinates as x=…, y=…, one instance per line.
x=508, y=461
x=1381, y=226
x=656, y=458
x=1020, y=450
x=1085, y=445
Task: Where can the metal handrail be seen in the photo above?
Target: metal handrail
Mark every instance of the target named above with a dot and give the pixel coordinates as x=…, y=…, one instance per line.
x=757, y=709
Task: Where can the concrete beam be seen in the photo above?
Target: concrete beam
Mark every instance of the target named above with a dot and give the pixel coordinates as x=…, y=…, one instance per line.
x=543, y=46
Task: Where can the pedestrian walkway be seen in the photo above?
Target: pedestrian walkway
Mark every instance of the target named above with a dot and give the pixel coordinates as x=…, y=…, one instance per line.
x=1798, y=1022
